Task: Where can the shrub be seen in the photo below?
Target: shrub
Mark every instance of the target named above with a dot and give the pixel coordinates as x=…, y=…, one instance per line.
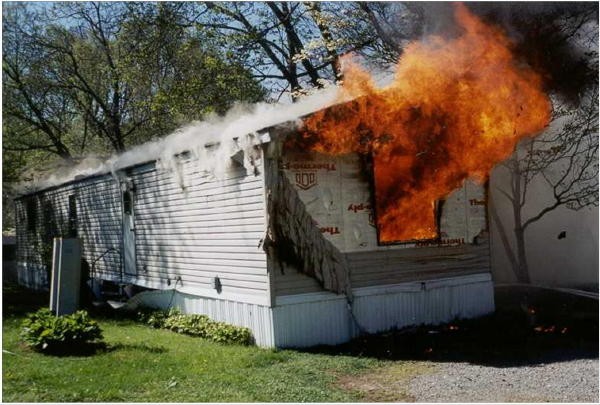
x=224, y=333
x=152, y=317
x=196, y=325
x=43, y=331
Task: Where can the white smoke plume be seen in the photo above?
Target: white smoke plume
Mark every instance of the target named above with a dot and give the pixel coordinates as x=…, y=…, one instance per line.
x=228, y=134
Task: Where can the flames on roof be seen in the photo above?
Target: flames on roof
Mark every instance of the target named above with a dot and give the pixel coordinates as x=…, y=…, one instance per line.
x=456, y=107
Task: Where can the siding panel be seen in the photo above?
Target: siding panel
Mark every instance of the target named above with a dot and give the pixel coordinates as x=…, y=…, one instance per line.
x=208, y=228
x=189, y=227
x=298, y=320
x=99, y=225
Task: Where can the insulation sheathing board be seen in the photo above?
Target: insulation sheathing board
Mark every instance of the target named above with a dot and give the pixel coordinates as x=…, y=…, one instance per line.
x=294, y=236
x=337, y=195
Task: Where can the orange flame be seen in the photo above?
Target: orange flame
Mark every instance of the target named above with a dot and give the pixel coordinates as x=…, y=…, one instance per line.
x=455, y=109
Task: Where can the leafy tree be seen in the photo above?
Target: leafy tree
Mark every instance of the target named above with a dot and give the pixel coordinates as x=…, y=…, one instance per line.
x=81, y=78
x=292, y=46
x=114, y=72
x=37, y=113
x=180, y=72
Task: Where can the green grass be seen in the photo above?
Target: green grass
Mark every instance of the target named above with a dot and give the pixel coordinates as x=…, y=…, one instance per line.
x=142, y=364
x=148, y=365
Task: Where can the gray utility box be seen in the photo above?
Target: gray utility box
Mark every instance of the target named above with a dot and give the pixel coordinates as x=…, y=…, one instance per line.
x=66, y=276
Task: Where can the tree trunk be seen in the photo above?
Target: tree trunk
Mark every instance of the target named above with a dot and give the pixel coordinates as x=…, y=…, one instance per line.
x=315, y=11
x=522, y=271
x=504, y=237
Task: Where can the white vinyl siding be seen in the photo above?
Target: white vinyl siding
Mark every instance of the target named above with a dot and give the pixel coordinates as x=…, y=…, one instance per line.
x=208, y=228
x=99, y=225
x=201, y=229
x=34, y=240
x=391, y=266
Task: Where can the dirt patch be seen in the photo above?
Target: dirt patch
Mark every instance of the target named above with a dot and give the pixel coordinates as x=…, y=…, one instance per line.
x=389, y=383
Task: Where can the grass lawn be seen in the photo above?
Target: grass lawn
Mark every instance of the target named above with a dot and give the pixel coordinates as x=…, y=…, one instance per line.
x=143, y=364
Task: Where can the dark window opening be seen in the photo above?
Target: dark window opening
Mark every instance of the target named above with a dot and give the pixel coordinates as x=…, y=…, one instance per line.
x=127, y=203
x=419, y=224
x=21, y=214
x=30, y=207
x=72, y=216
x=49, y=220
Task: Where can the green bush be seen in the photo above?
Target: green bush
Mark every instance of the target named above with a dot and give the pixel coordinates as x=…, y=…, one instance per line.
x=196, y=325
x=152, y=317
x=43, y=331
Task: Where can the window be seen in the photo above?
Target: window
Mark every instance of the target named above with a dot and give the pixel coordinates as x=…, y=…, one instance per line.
x=421, y=226
x=127, y=203
x=49, y=219
x=31, y=208
x=72, y=216
x=400, y=215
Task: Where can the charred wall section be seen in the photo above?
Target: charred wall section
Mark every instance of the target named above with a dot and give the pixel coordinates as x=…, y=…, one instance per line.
x=294, y=240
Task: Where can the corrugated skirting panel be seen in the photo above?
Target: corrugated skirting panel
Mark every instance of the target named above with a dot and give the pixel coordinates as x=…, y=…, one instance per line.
x=255, y=317
x=323, y=318
x=312, y=323
x=32, y=276
x=430, y=303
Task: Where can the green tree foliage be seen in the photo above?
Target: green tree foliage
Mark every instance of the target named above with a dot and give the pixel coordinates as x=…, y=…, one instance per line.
x=294, y=47
x=100, y=77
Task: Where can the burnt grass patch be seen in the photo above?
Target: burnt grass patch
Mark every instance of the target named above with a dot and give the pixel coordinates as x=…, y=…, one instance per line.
x=529, y=326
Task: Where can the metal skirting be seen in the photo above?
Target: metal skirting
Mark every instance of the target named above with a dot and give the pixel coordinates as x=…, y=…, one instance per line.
x=432, y=304
x=312, y=323
x=325, y=318
x=255, y=317
x=304, y=320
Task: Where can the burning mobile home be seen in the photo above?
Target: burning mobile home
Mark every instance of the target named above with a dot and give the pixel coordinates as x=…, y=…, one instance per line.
x=368, y=216
x=289, y=248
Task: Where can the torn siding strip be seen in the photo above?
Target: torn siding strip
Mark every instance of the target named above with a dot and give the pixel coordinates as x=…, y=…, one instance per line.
x=292, y=236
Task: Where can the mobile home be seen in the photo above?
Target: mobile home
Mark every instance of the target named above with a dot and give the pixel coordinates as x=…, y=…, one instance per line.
x=282, y=240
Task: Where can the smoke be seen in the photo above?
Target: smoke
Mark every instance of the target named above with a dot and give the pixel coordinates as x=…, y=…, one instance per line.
x=211, y=143
x=559, y=40
x=449, y=95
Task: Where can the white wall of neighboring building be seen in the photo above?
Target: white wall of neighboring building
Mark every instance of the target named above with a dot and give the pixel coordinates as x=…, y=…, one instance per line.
x=571, y=261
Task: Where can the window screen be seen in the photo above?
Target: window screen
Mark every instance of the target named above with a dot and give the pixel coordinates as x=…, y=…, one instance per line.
x=49, y=219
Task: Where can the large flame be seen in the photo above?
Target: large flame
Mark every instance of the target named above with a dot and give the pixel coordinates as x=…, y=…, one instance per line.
x=455, y=109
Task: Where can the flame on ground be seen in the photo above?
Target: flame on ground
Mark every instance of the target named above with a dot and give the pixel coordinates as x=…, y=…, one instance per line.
x=456, y=107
